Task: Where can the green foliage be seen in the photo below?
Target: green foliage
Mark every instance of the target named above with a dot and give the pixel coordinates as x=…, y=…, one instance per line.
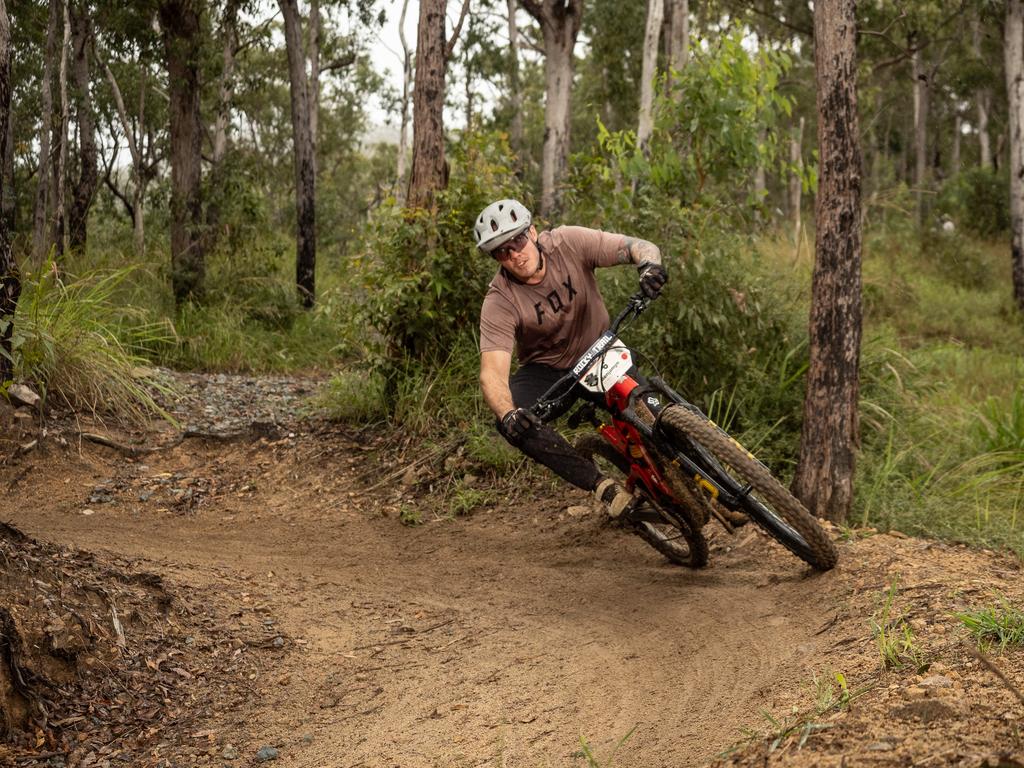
x=77, y=346
x=1000, y=424
x=423, y=275
x=978, y=201
x=1002, y=624
x=354, y=396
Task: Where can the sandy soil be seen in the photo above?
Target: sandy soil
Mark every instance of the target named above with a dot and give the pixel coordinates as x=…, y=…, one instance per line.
x=526, y=633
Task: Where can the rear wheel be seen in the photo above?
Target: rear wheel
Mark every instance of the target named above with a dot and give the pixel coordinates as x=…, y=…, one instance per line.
x=670, y=531
x=768, y=503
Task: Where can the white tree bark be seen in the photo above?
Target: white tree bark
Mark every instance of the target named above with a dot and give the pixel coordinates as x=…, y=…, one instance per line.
x=138, y=233
x=983, y=101
x=314, y=76
x=44, y=193
x=795, y=181
x=679, y=36
x=560, y=23
x=61, y=223
x=649, y=71
x=920, y=75
x=954, y=153
x=516, y=98
x=403, y=134
x=1014, y=53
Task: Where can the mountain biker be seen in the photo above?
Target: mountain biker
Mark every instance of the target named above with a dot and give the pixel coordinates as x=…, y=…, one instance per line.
x=545, y=304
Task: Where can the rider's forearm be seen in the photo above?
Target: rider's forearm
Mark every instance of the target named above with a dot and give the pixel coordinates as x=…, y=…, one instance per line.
x=637, y=251
x=496, y=394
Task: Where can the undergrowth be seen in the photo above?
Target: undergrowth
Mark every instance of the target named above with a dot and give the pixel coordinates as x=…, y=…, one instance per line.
x=1001, y=625
x=79, y=347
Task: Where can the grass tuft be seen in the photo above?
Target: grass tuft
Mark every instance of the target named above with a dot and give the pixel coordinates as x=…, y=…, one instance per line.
x=76, y=345
x=1001, y=624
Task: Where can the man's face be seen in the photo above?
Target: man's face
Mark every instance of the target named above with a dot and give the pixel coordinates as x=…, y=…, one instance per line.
x=520, y=256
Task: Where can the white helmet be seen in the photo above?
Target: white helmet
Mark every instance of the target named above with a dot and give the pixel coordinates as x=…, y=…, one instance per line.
x=499, y=222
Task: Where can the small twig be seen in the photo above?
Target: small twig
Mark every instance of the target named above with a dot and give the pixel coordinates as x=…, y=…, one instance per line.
x=987, y=663
x=118, y=629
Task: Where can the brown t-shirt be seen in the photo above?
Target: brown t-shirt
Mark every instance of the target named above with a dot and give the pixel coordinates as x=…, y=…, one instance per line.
x=555, y=321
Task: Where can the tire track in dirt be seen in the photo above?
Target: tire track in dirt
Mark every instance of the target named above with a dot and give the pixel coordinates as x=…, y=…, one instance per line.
x=497, y=639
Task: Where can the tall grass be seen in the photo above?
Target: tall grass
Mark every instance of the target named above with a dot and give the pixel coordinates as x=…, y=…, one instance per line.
x=74, y=343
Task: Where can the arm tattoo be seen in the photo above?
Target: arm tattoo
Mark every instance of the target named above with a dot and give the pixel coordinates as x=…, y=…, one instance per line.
x=639, y=251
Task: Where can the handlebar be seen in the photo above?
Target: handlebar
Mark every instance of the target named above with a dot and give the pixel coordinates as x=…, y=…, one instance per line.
x=548, y=402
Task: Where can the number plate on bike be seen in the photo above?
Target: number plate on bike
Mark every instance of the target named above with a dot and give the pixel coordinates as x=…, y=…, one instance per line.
x=608, y=368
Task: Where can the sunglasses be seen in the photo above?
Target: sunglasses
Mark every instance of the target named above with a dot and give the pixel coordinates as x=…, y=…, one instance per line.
x=515, y=245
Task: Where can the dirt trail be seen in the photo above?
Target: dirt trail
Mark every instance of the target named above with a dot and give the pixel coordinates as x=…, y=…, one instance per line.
x=495, y=639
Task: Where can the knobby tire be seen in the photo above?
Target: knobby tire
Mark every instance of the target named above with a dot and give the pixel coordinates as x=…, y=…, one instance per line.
x=810, y=542
x=695, y=553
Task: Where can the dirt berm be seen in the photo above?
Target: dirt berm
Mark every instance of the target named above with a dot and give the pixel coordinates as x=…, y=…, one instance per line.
x=256, y=600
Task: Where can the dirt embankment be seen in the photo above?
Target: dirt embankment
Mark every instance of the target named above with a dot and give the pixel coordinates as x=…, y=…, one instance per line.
x=272, y=609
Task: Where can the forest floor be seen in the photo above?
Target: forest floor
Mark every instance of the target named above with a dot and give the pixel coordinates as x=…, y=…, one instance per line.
x=246, y=594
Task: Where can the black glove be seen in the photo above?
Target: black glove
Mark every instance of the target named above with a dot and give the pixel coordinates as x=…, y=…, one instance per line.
x=652, y=279
x=518, y=422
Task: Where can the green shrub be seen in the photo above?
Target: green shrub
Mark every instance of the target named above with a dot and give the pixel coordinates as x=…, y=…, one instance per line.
x=977, y=201
x=424, y=278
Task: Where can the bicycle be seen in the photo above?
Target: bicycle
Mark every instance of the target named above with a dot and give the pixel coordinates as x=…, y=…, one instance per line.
x=681, y=465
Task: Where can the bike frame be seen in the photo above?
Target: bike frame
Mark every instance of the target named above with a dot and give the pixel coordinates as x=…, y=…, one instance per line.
x=633, y=432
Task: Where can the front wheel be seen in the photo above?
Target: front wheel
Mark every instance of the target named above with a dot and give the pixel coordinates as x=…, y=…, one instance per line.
x=768, y=503
x=672, y=532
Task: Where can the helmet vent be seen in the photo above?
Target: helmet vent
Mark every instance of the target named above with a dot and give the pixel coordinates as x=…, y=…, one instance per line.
x=494, y=225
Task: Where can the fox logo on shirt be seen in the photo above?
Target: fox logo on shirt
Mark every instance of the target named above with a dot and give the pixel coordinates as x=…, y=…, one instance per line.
x=555, y=302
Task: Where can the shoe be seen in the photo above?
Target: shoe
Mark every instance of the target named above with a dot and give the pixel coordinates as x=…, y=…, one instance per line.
x=617, y=499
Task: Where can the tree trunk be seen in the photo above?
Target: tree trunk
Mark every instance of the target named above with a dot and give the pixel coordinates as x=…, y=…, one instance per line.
x=225, y=94
x=429, y=170
x=182, y=48
x=61, y=182
x=983, y=100
x=305, y=168
x=1014, y=52
x=679, y=34
x=403, y=134
x=516, y=129
x=138, y=175
x=796, y=181
x=560, y=22
x=88, y=176
x=313, y=53
x=8, y=207
x=954, y=152
x=824, y=473
x=649, y=71
x=920, y=75
x=43, y=200
x=10, y=284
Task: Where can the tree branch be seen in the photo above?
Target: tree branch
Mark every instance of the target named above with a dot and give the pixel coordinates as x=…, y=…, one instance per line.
x=449, y=47
x=533, y=8
x=341, y=62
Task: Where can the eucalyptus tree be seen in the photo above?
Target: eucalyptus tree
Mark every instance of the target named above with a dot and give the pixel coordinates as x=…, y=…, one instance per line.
x=1014, y=36
x=84, y=192
x=10, y=285
x=43, y=207
x=830, y=434
x=649, y=71
x=429, y=170
x=181, y=31
x=560, y=22
x=302, y=108
x=131, y=104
